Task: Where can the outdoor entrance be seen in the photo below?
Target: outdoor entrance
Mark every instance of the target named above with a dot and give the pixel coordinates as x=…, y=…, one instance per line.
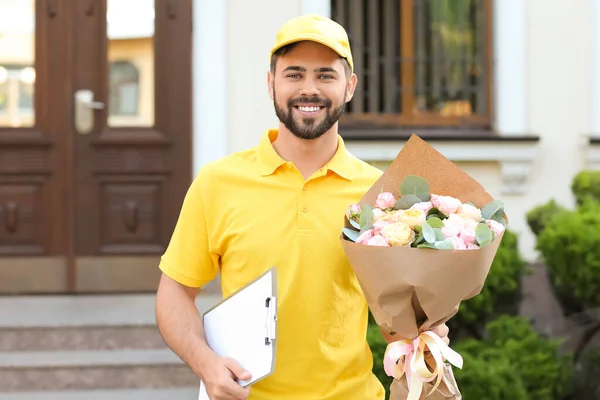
x=95, y=141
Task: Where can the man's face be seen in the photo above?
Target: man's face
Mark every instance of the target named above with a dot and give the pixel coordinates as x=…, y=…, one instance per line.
x=309, y=89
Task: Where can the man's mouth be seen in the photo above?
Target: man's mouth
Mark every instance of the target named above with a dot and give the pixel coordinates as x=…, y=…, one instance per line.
x=309, y=110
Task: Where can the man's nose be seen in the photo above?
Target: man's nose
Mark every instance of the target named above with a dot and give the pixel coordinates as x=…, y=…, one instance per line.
x=309, y=88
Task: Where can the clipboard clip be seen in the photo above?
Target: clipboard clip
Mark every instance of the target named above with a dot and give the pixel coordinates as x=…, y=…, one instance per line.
x=271, y=320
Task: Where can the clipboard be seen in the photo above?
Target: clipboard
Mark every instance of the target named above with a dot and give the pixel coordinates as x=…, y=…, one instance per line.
x=244, y=327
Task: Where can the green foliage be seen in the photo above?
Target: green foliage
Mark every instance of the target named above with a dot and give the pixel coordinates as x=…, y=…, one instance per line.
x=500, y=294
x=538, y=217
x=570, y=247
x=586, y=185
x=487, y=374
x=511, y=342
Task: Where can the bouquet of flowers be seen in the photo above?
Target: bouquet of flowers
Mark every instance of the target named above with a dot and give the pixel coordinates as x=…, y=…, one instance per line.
x=421, y=204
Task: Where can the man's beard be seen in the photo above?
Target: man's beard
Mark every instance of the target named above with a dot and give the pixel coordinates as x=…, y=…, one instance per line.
x=308, y=129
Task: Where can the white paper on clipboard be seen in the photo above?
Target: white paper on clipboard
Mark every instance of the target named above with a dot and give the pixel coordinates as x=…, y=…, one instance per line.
x=244, y=327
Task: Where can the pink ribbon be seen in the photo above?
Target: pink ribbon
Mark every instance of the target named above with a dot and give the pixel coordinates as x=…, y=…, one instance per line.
x=408, y=357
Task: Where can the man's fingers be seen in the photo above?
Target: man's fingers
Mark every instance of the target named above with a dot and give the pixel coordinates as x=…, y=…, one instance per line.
x=237, y=370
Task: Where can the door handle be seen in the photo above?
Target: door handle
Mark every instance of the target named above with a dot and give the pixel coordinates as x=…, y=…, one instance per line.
x=84, y=111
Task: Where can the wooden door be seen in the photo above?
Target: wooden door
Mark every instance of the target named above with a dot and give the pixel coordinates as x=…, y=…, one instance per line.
x=90, y=191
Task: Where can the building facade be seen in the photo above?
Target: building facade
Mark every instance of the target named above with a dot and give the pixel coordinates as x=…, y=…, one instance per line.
x=90, y=191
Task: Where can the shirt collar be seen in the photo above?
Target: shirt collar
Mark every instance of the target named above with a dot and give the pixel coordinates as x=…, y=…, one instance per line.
x=340, y=163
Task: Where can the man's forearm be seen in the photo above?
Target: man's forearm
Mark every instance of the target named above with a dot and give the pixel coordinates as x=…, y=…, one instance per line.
x=181, y=326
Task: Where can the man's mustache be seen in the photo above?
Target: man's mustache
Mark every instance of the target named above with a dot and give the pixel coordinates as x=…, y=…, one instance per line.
x=319, y=101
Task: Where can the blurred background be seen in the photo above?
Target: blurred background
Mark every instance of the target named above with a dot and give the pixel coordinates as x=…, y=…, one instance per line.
x=107, y=109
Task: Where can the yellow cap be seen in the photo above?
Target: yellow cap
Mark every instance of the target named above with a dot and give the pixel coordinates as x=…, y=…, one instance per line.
x=315, y=28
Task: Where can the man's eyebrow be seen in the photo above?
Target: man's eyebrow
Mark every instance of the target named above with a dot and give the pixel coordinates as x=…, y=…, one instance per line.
x=302, y=69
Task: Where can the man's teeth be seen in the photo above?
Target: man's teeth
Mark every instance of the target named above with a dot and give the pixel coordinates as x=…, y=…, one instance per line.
x=309, y=109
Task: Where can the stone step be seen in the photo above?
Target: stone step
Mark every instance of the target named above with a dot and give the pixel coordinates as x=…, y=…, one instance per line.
x=87, y=370
x=81, y=338
x=190, y=393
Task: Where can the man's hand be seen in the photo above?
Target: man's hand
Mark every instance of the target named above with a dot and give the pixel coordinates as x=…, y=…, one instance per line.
x=219, y=374
x=442, y=331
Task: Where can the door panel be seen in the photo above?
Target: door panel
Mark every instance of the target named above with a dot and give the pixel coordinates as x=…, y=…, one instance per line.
x=33, y=120
x=93, y=211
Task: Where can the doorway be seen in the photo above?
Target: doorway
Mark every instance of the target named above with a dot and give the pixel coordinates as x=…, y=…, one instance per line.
x=95, y=141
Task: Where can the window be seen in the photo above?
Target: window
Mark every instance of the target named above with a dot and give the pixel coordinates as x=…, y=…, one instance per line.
x=419, y=62
x=124, y=89
x=16, y=96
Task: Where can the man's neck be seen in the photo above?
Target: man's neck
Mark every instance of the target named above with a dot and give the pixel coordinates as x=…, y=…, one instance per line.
x=307, y=155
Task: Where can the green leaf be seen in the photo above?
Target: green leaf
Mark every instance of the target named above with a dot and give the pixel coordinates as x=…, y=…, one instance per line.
x=424, y=196
x=428, y=233
x=492, y=208
x=438, y=234
x=418, y=229
x=426, y=246
x=354, y=224
x=483, y=235
x=435, y=222
x=444, y=245
x=407, y=201
x=499, y=217
x=433, y=210
x=351, y=234
x=366, y=217
x=414, y=184
x=418, y=239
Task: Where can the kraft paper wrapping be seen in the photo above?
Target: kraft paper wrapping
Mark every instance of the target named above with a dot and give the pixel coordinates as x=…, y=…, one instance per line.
x=412, y=290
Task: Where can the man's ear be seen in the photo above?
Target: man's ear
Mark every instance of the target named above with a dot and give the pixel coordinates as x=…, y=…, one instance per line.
x=270, y=84
x=350, y=87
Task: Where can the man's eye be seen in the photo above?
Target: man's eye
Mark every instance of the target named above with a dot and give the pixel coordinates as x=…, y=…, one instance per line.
x=327, y=76
x=294, y=76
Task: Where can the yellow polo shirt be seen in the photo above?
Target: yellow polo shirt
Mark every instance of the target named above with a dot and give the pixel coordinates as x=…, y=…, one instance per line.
x=252, y=210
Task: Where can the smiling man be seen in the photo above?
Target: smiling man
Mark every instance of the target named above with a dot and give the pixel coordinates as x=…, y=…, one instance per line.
x=282, y=203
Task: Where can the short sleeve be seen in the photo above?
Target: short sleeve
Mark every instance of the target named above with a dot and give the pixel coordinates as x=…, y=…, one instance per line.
x=188, y=258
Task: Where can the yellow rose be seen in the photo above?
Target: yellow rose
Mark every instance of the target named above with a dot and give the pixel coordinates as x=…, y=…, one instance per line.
x=398, y=234
x=413, y=217
x=387, y=216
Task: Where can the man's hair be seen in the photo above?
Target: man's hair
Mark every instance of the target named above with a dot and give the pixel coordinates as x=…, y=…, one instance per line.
x=287, y=48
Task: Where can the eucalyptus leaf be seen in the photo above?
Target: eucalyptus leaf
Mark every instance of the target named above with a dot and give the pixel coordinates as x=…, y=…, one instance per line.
x=418, y=239
x=438, y=234
x=435, y=222
x=407, y=201
x=499, y=217
x=351, y=234
x=492, y=208
x=354, y=224
x=366, y=217
x=424, y=196
x=444, y=245
x=426, y=246
x=414, y=184
x=433, y=210
x=428, y=233
x=483, y=235
x=418, y=229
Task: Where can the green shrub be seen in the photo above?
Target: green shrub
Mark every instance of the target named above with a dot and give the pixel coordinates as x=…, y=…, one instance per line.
x=487, y=373
x=586, y=184
x=514, y=357
x=500, y=294
x=570, y=247
x=538, y=217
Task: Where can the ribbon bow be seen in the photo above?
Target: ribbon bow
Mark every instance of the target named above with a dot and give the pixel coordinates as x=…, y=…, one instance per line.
x=408, y=357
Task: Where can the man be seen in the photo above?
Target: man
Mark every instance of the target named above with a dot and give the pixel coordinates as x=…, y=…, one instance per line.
x=282, y=203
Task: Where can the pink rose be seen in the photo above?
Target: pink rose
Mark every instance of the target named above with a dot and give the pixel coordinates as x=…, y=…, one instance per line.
x=353, y=211
x=495, y=226
x=450, y=231
x=468, y=236
x=472, y=247
x=385, y=200
x=378, y=214
x=425, y=206
x=355, y=208
x=379, y=225
x=446, y=204
x=364, y=237
x=458, y=243
x=378, y=240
